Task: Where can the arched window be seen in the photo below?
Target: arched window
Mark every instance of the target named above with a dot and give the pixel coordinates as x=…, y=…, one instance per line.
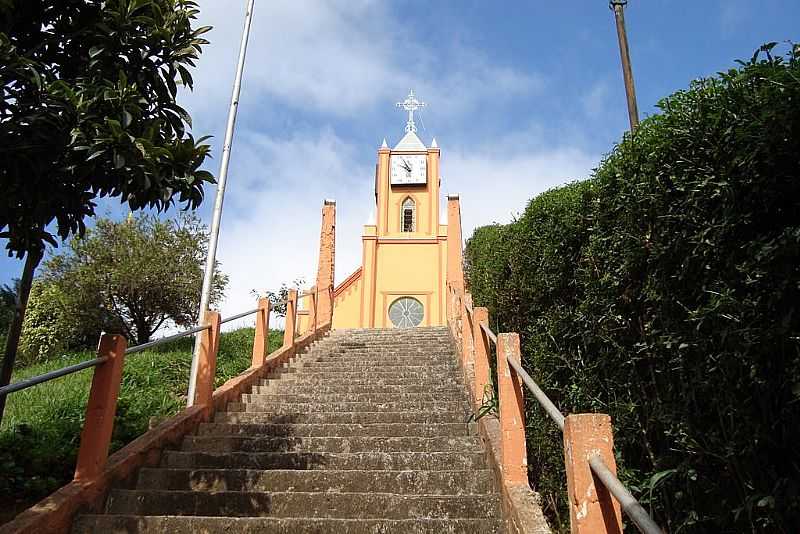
x=408, y=215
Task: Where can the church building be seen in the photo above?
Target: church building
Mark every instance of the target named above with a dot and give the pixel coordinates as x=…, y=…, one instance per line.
x=403, y=275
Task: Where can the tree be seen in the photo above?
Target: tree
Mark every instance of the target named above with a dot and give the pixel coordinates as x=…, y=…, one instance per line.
x=89, y=109
x=134, y=276
x=278, y=299
x=8, y=300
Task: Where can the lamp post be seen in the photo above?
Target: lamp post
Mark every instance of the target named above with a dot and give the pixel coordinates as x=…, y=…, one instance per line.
x=208, y=275
x=618, y=6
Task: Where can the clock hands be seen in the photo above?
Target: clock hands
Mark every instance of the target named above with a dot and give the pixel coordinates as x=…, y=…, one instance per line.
x=406, y=165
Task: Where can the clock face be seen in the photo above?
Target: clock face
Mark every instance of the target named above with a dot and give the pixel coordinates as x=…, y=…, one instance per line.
x=409, y=169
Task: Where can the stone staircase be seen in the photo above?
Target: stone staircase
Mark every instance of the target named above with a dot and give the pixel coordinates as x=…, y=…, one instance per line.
x=364, y=433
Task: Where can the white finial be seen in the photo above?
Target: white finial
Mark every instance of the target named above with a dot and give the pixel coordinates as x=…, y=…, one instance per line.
x=434, y=144
x=371, y=219
x=384, y=145
x=411, y=104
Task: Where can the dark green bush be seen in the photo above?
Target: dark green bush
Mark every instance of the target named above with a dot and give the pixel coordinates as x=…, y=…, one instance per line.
x=664, y=291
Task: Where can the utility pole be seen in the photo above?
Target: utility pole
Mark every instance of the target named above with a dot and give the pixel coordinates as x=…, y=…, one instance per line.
x=208, y=276
x=618, y=6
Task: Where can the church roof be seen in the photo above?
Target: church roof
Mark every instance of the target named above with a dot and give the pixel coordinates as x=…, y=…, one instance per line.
x=410, y=141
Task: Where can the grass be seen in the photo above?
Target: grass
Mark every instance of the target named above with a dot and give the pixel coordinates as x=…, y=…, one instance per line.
x=41, y=428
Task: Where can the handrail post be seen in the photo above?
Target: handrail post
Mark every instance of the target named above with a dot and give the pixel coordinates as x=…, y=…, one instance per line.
x=261, y=339
x=313, y=305
x=101, y=408
x=481, y=344
x=467, y=334
x=207, y=361
x=291, y=319
x=512, y=412
x=592, y=508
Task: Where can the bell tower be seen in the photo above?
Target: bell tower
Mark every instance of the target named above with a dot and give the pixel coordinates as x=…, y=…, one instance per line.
x=407, y=183
x=401, y=282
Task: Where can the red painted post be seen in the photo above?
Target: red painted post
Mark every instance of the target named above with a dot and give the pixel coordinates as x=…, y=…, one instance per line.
x=207, y=360
x=456, y=300
x=291, y=319
x=467, y=335
x=481, y=344
x=512, y=412
x=592, y=509
x=261, y=339
x=101, y=408
x=326, y=266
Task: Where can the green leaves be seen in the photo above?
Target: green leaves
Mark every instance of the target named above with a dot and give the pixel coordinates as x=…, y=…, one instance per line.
x=91, y=108
x=664, y=291
x=131, y=276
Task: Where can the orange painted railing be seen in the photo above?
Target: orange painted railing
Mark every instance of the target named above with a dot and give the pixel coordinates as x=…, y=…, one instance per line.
x=108, y=368
x=596, y=497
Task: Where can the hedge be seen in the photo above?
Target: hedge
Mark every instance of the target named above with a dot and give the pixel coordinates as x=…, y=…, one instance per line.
x=664, y=291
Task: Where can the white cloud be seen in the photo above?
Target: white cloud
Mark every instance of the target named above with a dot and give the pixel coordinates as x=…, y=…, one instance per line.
x=340, y=60
x=270, y=230
x=496, y=182
x=731, y=17
x=595, y=102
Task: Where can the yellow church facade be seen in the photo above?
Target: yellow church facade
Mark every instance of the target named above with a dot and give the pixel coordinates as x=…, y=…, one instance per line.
x=403, y=275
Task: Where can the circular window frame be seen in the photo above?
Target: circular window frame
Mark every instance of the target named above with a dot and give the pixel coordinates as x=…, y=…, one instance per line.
x=409, y=314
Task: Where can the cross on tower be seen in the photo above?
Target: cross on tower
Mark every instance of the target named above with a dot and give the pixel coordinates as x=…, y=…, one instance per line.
x=411, y=104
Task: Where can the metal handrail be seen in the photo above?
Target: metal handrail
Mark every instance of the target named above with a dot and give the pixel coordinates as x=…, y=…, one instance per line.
x=64, y=371
x=491, y=335
x=46, y=377
x=161, y=341
x=239, y=316
x=627, y=502
x=550, y=408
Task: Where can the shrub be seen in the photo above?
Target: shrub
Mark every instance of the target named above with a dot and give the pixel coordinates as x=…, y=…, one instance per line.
x=664, y=291
x=48, y=328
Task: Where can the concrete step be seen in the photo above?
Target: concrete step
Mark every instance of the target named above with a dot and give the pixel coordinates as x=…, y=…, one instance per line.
x=419, y=370
x=313, y=396
x=131, y=524
x=342, y=417
x=329, y=444
x=299, y=504
x=321, y=430
x=412, y=364
x=385, y=348
x=320, y=407
x=292, y=379
x=299, y=388
x=398, y=482
x=365, y=461
x=395, y=364
x=379, y=346
x=400, y=354
x=344, y=375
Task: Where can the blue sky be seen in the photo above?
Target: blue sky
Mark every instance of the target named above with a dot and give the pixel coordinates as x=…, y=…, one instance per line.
x=521, y=96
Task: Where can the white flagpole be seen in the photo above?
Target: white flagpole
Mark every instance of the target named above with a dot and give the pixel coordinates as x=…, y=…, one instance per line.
x=208, y=276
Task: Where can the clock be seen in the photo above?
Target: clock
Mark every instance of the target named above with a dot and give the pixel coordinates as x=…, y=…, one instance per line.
x=409, y=169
